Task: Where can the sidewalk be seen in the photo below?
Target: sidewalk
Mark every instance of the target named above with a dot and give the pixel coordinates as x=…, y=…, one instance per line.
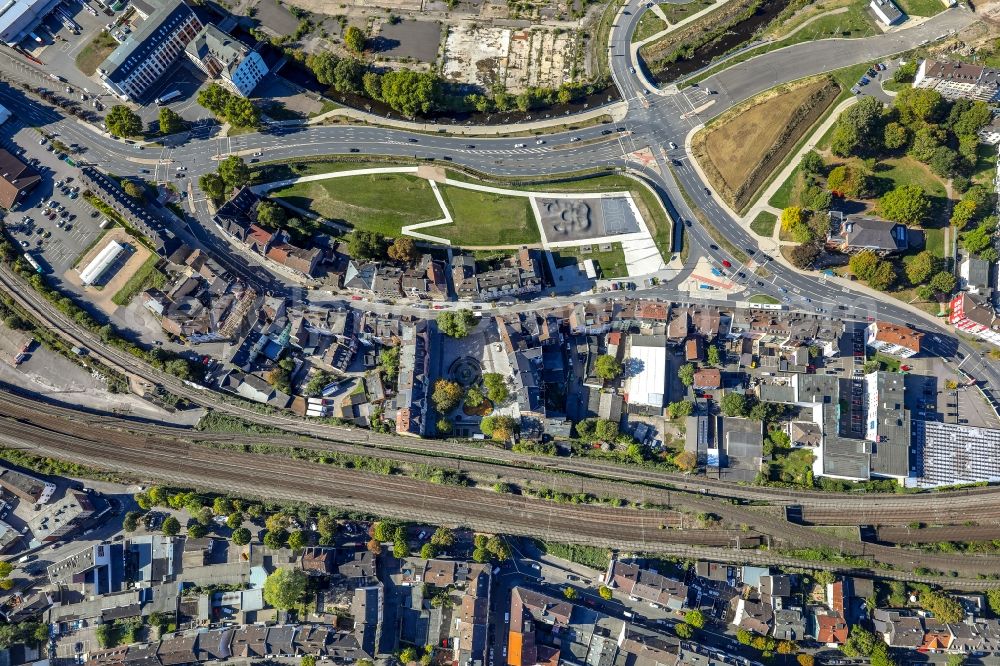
x=616, y=110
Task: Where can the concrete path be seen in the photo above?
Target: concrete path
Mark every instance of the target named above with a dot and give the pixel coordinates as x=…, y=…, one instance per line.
x=616, y=111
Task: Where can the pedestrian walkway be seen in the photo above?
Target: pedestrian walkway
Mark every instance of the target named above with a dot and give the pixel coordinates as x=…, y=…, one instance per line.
x=616, y=111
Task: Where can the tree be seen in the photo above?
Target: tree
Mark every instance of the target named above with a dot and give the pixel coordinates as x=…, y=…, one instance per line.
x=213, y=186
x=308, y=660
x=883, y=277
x=456, y=324
x=196, y=530
x=605, y=592
x=366, y=245
x=906, y=204
x=764, y=411
x=802, y=256
x=606, y=430
x=427, y=551
x=926, y=140
x=276, y=539
x=918, y=104
x=570, y=592
x=812, y=163
x=803, y=658
x=860, y=642
x=298, y=539
x=354, y=39
x=677, y=410
x=496, y=387
x=921, y=267
x=443, y=426
x=944, y=162
x=235, y=520
x=214, y=98
x=786, y=647
x=714, y=358
x=271, y=214
x=695, y=618
x=285, y=588
x=963, y=213
x=863, y=264
x=791, y=217
x=240, y=112
x=446, y=396
x=849, y=181
x=607, y=367
x=956, y=659
x=408, y=655
x=686, y=374
x=500, y=427
x=323, y=66
x=943, y=282
x=845, y=140
x=443, y=537
x=993, y=600
x=686, y=461
x=400, y=545
x=171, y=526
x=410, y=92
x=895, y=136
x=735, y=404
x=347, y=76
x=973, y=117
x=241, y=536
x=474, y=397
x=170, y=121
x=374, y=547
x=123, y=121
x=234, y=171
x=404, y=250
x=880, y=655
x=981, y=237
x=222, y=505
x=384, y=530
x=131, y=522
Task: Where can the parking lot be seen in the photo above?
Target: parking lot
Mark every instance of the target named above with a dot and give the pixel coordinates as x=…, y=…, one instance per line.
x=54, y=239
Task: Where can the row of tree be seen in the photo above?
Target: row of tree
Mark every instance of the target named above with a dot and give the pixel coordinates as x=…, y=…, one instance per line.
x=236, y=110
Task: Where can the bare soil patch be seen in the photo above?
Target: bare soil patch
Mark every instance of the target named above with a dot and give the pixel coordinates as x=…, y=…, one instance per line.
x=742, y=147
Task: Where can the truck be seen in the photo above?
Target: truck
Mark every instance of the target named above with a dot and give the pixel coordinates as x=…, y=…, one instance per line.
x=173, y=94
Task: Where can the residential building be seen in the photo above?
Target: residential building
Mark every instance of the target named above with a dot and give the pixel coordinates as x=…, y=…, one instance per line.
x=974, y=276
x=707, y=379
x=887, y=425
x=26, y=487
x=893, y=339
x=222, y=56
x=972, y=315
x=959, y=80
x=137, y=215
x=851, y=234
x=518, y=275
x=16, y=179
x=150, y=50
x=61, y=517
x=648, y=586
x=413, y=408
x=886, y=11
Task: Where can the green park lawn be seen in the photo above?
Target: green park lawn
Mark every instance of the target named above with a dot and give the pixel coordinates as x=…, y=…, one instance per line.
x=649, y=25
x=764, y=299
x=763, y=224
x=375, y=202
x=611, y=263
x=146, y=277
x=921, y=7
x=486, y=219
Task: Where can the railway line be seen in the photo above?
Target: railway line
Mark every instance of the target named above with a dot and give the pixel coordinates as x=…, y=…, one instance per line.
x=938, y=534
x=183, y=464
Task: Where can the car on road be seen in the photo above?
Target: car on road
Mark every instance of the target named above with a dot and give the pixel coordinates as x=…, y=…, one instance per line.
x=519, y=145
x=470, y=147
x=605, y=132
x=725, y=262
x=411, y=140
x=540, y=142
x=575, y=138
x=632, y=70
x=258, y=154
x=355, y=150
x=673, y=146
x=708, y=192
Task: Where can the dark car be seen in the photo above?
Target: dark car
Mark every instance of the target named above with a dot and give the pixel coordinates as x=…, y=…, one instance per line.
x=412, y=140
x=713, y=247
x=355, y=150
x=687, y=223
x=708, y=192
x=605, y=132
x=470, y=147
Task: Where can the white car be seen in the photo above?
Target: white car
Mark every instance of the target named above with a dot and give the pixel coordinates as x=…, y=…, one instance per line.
x=673, y=146
x=519, y=145
x=258, y=154
x=540, y=142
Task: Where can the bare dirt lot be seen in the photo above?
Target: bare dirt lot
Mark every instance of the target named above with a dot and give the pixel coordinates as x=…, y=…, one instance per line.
x=739, y=150
x=102, y=295
x=417, y=40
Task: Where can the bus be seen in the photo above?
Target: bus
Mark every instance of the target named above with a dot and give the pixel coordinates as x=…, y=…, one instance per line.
x=34, y=264
x=174, y=94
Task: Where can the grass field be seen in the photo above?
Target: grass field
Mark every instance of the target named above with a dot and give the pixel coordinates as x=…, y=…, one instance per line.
x=921, y=7
x=611, y=264
x=147, y=277
x=485, y=219
x=677, y=12
x=94, y=53
x=649, y=25
x=764, y=299
x=763, y=224
x=376, y=202
x=733, y=150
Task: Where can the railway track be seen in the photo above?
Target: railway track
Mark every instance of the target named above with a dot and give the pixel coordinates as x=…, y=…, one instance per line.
x=906, y=535
x=170, y=461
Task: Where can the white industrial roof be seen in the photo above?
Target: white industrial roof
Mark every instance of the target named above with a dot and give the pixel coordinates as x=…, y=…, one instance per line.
x=101, y=262
x=647, y=386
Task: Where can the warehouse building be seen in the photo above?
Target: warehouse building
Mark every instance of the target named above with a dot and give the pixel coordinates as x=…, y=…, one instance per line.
x=26, y=487
x=221, y=56
x=137, y=64
x=648, y=356
x=100, y=264
x=19, y=17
